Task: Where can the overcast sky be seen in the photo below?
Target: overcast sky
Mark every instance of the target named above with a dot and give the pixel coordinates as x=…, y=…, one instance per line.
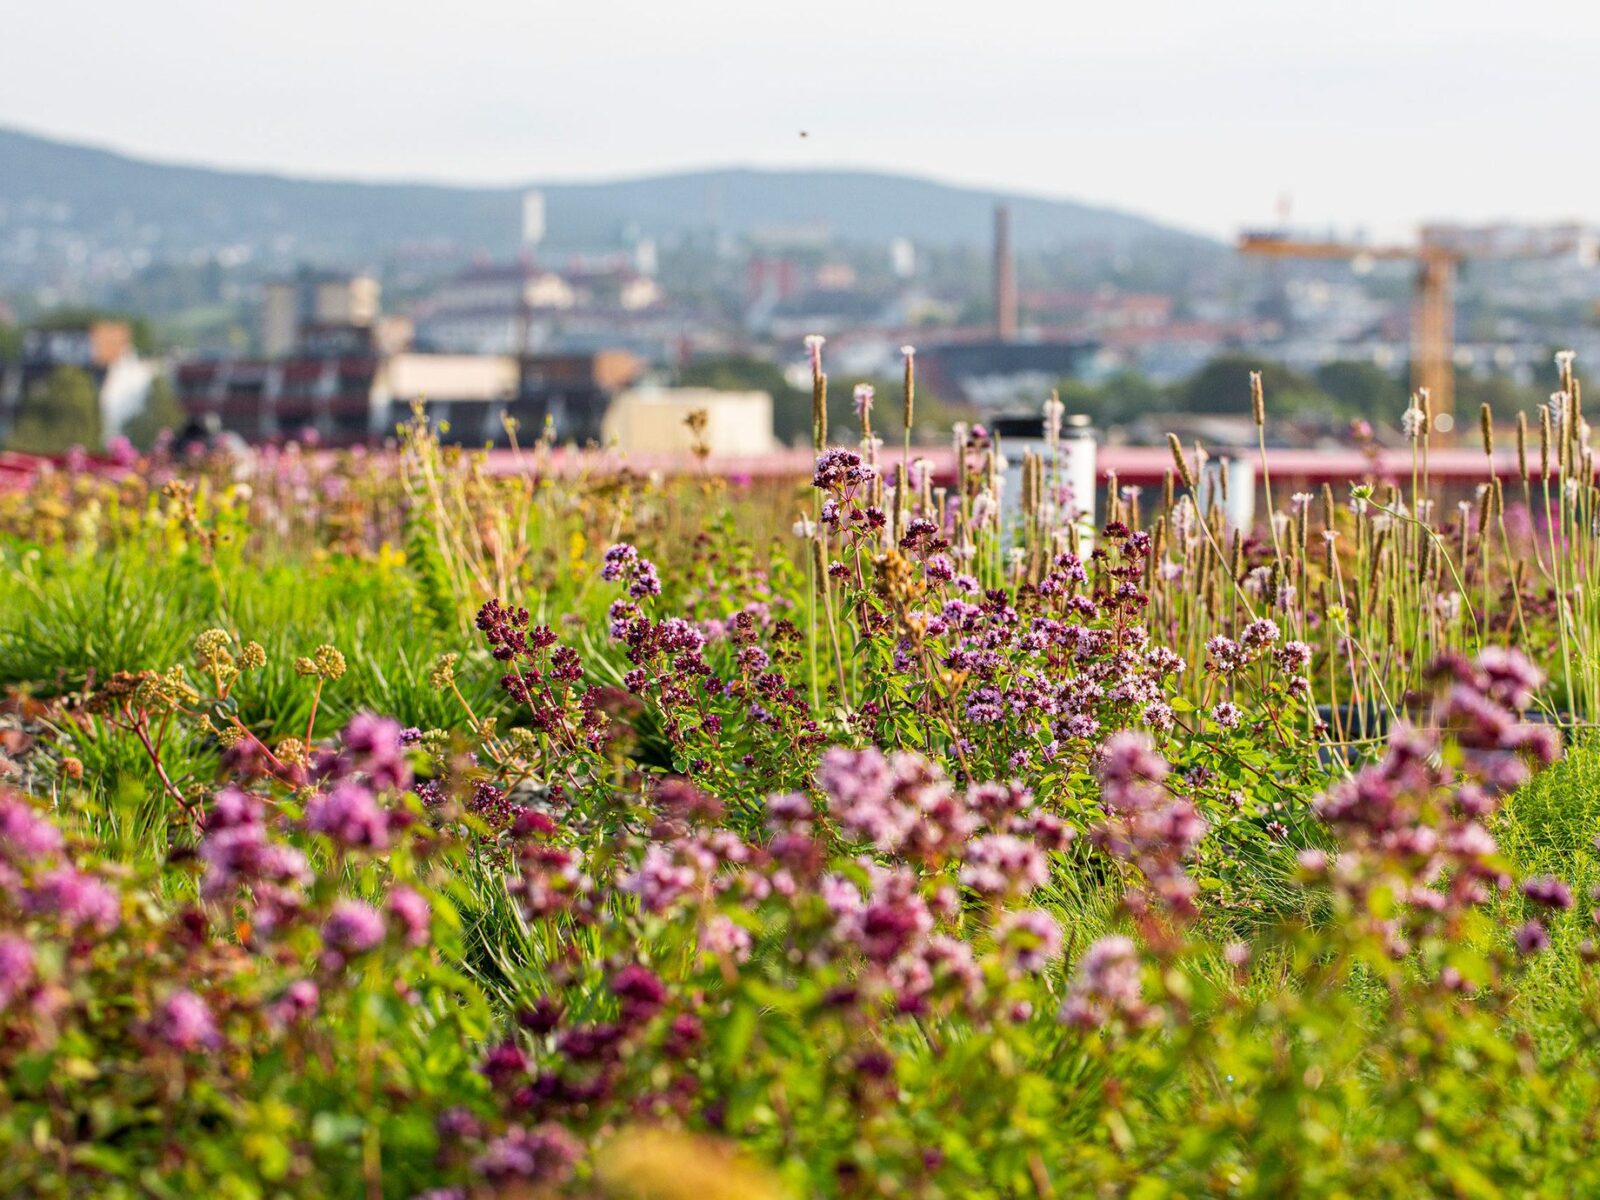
x=1367, y=113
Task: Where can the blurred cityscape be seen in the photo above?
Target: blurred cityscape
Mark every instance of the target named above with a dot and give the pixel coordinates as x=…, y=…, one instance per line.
x=136, y=297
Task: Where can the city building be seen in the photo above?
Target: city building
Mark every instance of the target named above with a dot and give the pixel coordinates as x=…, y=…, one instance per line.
x=518, y=307
x=572, y=392
x=1097, y=311
x=314, y=298
x=102, y=348
x=992, y=375
x=654, y=420
x=341, y=389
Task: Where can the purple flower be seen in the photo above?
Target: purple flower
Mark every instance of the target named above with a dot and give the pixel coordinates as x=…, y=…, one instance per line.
x=1129, y=767
x=1294, y=657
x=1531, y=938
x=236, y=851
x=889, y=922
x=1259, y=634
x=185, y=1023
x=545, y=1154
x=504, y=1064
x=640, y=992
x=350, y=815
x=840, y=470
x=1548, y=891
x=1106, y=985
x=411, y=912
x=377, y=744
x=1226, y=715
x=721, y=937
x=1028, y=939
x=1159, y=715
x=1001, y=864
x=985, y=706
x=352, y=928
x=660, y=880
x=298, y=1001
x=16, y=967
x=1512, y=679
x=618, y=559
x=369, y=734
x=1224, y=655
x=24, y=834
x=78, y=899
x=863, y=399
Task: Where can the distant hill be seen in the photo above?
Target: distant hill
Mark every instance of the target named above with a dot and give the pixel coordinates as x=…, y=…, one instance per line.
x=110, y=198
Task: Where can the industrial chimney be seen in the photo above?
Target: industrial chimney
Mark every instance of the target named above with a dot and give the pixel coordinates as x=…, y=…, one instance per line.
x=1005, y=277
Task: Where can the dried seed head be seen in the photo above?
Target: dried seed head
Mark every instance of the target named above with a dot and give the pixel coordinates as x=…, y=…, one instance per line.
x=1522, y=446
x=1486, y=427
x=819, y=411
x=910, y=354
x=1544, y=442
x=1180, y=462
x=444, y=671
x=213, y=648
x=329, y=662
x=1258, y=401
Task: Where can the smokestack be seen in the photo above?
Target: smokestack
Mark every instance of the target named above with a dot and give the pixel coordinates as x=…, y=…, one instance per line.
x=1005, y=277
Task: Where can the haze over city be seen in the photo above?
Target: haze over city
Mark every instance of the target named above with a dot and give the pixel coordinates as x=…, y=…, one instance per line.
x=257, y=223
x=1370, y=115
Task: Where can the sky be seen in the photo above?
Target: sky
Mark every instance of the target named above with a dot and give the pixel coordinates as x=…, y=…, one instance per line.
x=1368, y=116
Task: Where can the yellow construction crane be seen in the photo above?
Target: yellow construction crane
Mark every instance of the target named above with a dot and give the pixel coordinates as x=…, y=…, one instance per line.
x=1437, y=253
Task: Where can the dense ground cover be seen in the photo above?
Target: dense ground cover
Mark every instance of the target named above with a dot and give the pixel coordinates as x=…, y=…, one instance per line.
x=376, y=826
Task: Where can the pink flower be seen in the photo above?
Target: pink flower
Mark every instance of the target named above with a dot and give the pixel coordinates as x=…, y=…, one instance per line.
x=660, y=880
x=16, y=967
x=24, y=834
x=299, y=1001
x=78, y=899
x=376, y=746
x=723, y=938
x=863, y=399
x=1001, y=864
x=1106, y=986
x=1531, y=938
x=351, y=816
x=1028, y=939
x=353, y=928
x=185, y=1023
x=411, y=912
x=545, y=1155
x=1548, y=891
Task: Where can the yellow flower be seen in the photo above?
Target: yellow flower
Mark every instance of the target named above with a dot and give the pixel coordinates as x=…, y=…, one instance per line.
x=658, y=1164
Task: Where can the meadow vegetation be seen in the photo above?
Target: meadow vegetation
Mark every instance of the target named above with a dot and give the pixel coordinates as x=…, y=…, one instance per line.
x=375, y=825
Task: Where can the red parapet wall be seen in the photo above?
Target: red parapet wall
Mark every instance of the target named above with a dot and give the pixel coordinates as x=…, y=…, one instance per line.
x=1140, y=466
x=1136, y=466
